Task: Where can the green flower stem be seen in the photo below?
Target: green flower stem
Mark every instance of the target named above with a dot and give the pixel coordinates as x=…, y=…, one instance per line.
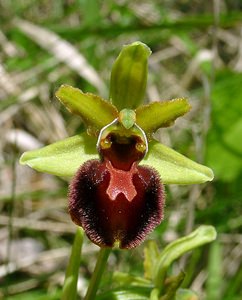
x=70, y=285
x=97, y=274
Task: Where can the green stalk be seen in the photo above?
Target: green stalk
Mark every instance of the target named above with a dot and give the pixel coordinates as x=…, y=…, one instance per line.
x=70, y=285
x=97, y=274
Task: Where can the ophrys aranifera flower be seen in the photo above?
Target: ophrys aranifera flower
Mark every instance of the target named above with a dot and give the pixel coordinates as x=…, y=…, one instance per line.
x=117, y=192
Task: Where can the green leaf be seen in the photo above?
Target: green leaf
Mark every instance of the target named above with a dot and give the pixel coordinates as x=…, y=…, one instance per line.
x=72, y=271
x=223, y=151
x=172, y=284
x=62, y=158
x=175, y=168
x=160, y=114
x=95, y=111
x=39, y=294
x=202, y=235
x=129, y=76
x=151, y=255
x=126, y=279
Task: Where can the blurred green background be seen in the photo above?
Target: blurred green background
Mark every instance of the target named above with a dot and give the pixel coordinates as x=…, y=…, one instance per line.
x=197, y=53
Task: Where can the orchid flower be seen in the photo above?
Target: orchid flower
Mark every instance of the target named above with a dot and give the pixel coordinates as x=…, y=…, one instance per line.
x=119, y=170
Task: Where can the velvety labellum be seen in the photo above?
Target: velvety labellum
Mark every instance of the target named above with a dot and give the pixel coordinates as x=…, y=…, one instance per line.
x=115, y=200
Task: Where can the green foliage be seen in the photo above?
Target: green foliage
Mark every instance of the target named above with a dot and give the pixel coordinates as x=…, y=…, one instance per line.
x=37, y=295
x=202, y=235
x=226, y=127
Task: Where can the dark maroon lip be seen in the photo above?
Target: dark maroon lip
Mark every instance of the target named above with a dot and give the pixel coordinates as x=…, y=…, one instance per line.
x=115, y=200
x=110, y=214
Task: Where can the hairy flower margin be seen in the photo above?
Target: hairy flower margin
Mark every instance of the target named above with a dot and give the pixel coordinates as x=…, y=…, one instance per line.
x=119, y=169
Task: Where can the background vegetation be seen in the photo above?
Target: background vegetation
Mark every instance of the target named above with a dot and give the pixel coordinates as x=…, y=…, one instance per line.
x=197, y=53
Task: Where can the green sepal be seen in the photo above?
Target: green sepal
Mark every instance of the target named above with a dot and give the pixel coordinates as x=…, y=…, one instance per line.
x=95, y=111
x=174, y=167
x=129, y=76
x=160, y=114
x=62, y=158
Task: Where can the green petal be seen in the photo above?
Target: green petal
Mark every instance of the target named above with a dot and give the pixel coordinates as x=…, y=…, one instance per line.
x=129, y=76
x=173, y=167
x=95, y=111
x=62, y=158
x=160, y=114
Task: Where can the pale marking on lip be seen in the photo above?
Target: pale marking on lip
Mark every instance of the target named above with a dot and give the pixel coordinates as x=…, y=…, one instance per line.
x=121, y=182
